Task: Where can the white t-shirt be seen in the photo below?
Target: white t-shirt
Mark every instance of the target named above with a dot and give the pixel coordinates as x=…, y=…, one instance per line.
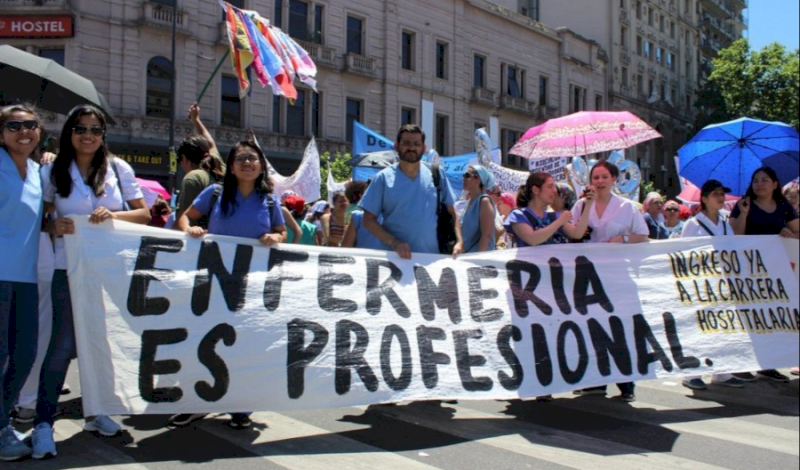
x=692, y=227
x=83, y=201
x=620, y=218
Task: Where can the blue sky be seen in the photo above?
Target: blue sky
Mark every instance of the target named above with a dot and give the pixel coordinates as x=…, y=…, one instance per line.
x=774, y=21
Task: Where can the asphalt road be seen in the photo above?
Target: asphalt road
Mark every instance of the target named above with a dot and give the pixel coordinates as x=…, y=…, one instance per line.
x=668, y=427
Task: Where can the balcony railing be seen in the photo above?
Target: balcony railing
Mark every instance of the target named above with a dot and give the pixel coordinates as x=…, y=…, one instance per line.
x=160, y=15
x=517, y=104
x=482, y=95
x=321, y=55
x=360, y=64
x=46, y=5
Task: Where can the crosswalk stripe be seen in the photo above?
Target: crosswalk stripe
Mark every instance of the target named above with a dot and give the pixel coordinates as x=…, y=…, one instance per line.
x=539, y=442
x=787, y=405
x=275, y=444
x=108, y=455
x=693, y=422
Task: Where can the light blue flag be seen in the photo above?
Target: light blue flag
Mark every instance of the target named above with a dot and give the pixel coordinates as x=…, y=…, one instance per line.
x=366, y=140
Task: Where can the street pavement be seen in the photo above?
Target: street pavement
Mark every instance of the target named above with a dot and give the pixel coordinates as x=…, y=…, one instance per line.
x=669, y=427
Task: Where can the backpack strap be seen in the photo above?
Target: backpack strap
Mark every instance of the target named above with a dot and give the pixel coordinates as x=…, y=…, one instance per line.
x=125, y=204
x=436, y=182
x=214, y=197
x=705, y=227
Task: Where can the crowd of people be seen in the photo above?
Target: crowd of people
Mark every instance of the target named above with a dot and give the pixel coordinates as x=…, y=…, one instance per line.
x=399, y=210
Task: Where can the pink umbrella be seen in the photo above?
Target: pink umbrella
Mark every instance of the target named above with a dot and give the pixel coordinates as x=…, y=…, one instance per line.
x=151, y=190
x=691, y=194
x=583, y=133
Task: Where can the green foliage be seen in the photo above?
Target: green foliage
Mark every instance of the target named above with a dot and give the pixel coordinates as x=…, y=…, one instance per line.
x=648, y=187
x=761, y=84
x=338, y=165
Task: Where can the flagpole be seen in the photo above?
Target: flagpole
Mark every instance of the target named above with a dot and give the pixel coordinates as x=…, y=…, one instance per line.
x=213, y=74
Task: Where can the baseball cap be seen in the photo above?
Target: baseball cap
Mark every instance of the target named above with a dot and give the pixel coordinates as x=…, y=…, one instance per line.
x=295, y=204
x=712, y=185
x=509, y=199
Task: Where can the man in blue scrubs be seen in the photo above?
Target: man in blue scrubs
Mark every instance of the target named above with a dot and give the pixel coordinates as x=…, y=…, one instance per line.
x=405, y=195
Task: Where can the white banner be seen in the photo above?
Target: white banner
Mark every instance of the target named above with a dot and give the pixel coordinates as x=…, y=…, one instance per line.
x=170, y=324
x=556, y=166
x=305, y=182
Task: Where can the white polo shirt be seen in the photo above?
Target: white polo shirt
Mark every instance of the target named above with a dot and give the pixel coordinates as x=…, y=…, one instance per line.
x=83, y=201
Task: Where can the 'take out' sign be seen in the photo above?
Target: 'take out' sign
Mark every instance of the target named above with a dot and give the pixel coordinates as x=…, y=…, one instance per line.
x=36, y=26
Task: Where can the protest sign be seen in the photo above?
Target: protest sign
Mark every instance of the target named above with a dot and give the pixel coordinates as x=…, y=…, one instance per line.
x=555, y=166
x=170, y=324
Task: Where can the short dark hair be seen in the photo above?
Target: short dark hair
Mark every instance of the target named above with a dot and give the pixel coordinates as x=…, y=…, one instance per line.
x=194, y=148
x=354, y=190
x=411, y=129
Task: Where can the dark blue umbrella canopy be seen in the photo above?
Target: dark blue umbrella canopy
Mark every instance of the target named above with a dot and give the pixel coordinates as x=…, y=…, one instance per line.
x=731, y=151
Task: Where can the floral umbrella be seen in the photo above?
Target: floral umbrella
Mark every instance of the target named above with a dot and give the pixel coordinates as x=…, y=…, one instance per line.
x=584, y=133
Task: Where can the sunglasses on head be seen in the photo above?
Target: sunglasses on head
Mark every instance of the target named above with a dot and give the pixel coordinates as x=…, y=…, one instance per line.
x=469, y=174
x=95, y=130
x=15, y=126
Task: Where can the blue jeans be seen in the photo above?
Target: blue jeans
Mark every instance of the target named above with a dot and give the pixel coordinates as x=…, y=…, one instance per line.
x=19, y=325
x=60, y=351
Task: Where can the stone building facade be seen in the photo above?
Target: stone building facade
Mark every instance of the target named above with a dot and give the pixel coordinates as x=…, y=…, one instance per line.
x=450, y=65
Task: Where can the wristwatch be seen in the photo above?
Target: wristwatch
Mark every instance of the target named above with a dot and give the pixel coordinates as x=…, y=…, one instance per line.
x=626, y=238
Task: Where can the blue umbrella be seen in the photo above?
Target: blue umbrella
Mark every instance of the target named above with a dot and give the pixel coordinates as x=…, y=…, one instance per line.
x=731, y=151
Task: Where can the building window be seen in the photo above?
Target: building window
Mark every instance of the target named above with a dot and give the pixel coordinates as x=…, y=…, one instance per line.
x=529, y=8
x=316, y=114
x=277, y=16
x=514, y=81
x=650, y=17
x=543, y=91
x=646, y=50
x=236, y=3
x=408, y=116
x=167, y=3
x=672, y=29
x=276, y=114
x=640, y=84
x=442, y=133
x=639, y=10
x=478, y=71
x=622, y=3
x=441, y=60
x=508, y=138
x=56, y=55
x=650, y=88
x=407, y=54
x=623, y=36
x=662, y=23
x=658, y=56
x=298, y=20
x=639, y=46
x=355, y=35
x=598, y=102
x=319, y=16
x=663, y=92
x=353, y=110
x=159, y=87
x=670, y=61
x=295, y=114
x=673, y=93
x=625, y=76
x=231, y=104
x=577, y=98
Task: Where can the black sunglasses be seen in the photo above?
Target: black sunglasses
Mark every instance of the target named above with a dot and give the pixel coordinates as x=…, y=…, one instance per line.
x=15, y=126
x=469, y=174
x=95, y=130
x=672, y=209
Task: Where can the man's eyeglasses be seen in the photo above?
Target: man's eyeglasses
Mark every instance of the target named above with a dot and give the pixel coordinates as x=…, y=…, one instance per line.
x=96, y=131
x=15, y=126
x=246, y=159
x=469, y=174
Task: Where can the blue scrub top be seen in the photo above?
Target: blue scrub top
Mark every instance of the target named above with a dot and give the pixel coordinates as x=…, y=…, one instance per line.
x=20, y=220
x=249, y=218
x=408, y=206
x=471, y=226
x=365, y=238
x=517, y=217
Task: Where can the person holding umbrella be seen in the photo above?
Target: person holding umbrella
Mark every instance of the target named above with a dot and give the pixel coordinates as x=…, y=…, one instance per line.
x=764, y=211
x=612, y=220
x=83, y=180
x=709, y=222
x=21, y=219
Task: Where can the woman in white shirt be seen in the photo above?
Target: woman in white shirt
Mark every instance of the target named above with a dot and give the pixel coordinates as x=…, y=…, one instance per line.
x=83, y=180
x=612, y=220
x=710, y=223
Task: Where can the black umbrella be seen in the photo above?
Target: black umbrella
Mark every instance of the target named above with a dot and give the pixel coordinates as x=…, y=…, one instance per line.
x=26, y=78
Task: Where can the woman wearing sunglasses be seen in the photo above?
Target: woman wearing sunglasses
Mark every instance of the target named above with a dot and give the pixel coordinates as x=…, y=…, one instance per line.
x=653, y=216
x=85, y=180
x=245, y=206
x=672, y=221
x=21, y=219
x=477, y=222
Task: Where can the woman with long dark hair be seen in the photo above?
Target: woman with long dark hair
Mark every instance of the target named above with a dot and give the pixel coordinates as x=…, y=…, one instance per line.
x=612, y=220
x=85, y=179
x=764, y=211
x=532, y=225
x=244, y=206
x=21, y=219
